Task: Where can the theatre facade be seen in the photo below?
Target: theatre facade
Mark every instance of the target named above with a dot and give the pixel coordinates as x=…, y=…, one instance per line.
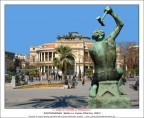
x=43, y=55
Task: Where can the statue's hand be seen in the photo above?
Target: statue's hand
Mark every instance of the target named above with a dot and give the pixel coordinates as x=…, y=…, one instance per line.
x=108, y=9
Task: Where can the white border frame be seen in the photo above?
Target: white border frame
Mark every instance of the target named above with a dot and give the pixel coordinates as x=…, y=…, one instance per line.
x=133, y=113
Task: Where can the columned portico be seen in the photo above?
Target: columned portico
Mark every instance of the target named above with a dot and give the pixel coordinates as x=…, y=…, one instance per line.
x=48, y=56
x=52, y=56
x=41, y=56
x=44, y=56
x=46, y=52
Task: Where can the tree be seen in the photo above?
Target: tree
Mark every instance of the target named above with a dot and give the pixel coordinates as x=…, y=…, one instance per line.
x=129, y=54
x=89, y=72
x=9, y=65
x=62, y=62
x=30, y=69
x=12, y=64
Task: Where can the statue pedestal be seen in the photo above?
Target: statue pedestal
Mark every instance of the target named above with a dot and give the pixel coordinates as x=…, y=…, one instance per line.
x=109, y=96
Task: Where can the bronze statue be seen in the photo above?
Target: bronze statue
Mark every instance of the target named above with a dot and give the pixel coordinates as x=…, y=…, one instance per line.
x=103, y=53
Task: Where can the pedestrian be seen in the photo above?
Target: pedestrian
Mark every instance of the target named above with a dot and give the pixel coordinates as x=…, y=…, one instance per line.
x=49, y=79
x=73, y=82
x=75, y=75
x=60, y=75
x=136, y=86
x=69, y=83
x=32, y=78
x=54, y=75
x=37, y=76
x=83, y=80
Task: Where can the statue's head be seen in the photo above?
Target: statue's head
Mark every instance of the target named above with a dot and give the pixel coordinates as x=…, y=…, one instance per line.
x=98, y=35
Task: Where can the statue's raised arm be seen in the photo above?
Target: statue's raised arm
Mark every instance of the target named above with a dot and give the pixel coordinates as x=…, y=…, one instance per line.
x=105, y=91
x=118, y=21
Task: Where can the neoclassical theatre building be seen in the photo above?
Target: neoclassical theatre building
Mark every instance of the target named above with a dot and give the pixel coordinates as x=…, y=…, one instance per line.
x=43, y=55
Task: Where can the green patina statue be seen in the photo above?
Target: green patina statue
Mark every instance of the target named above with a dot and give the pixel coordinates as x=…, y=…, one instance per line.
x=103, y=54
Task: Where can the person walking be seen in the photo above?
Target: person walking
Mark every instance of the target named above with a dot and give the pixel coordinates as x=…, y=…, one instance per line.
x=83, y=80
x=49, y=79
x=73, y=82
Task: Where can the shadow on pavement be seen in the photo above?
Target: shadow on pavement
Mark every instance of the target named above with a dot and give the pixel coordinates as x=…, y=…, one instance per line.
x=57, y=102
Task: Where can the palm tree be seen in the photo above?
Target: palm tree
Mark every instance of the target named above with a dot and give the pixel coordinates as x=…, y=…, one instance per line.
x=62, y=62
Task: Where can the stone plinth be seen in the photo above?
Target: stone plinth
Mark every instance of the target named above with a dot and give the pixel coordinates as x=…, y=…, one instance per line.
x=111, y=102
x=13, y=83
x=109, y=96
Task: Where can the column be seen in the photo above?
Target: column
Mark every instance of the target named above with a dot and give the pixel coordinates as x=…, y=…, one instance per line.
x=48, y=56
x=75, y=67
x=44, y=56
x=40, y=69
x=38, y=56
x=44, y=69
x=13, y=81
x=41, y=56
x=52, y=56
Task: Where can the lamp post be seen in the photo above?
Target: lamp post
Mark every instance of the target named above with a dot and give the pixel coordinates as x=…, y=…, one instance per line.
x=16, y=65
x=14, y=61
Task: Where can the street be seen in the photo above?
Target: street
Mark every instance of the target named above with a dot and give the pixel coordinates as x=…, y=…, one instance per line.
x=41, y=98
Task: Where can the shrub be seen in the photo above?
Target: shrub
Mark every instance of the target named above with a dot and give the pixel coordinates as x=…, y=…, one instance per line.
x=8, y=78
x=17, y=78
x=25, y=83
x=18, y=84
x=22, y=78
x=89, y=72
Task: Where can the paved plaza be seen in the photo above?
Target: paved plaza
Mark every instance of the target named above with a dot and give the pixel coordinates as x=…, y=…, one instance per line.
x=41, y=98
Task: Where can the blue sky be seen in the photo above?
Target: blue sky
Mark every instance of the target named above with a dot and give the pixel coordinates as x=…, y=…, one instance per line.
x=32, y=25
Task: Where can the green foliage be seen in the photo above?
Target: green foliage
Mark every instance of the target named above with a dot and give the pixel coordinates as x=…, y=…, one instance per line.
x=10, y=73
x=18, y=84
x=24, y=83
x=8, y=78
x=10, y=65
x=62, y=62
x=89, y=72
x=125, y=73
x=17, y=78
x=32, y=69
x=32, y=72
x=22, y=78
x=136, y=69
